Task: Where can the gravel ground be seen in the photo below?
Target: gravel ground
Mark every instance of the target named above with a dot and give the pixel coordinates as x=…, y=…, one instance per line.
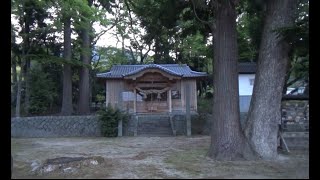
x=142, y=157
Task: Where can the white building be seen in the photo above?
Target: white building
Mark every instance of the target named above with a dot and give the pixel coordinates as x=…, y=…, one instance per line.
x=246, y=80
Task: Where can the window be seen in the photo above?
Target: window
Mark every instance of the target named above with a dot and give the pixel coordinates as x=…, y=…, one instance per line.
x=175, y=94
x=251, y=81
x=129, y=96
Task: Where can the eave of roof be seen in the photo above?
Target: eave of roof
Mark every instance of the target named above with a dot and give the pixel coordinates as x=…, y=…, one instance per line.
x=180, y=70
x=247, y=68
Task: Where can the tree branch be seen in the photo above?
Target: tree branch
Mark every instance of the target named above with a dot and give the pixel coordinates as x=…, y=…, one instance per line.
x=130, y=17
x=195, y=13
x=101, y=34
x=96, y=64
x=134, y=58
x=145, y=54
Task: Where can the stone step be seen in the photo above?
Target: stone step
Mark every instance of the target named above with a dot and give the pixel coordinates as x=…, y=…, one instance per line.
x=154, y=125
x=157, y=131
x=296, y=140
x=155, y=135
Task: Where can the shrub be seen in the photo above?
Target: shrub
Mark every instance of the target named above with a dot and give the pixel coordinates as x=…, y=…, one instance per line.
x=205, y=105
x=209, y=95
x=109, y=119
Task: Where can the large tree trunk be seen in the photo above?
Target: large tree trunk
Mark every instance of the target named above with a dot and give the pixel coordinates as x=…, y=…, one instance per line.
x=18, y=101
x=26, y=68
x=14, y=80
x=85, y=57
x=27, y=85
x=227, y=140
x=264, y=112
x=67, y=107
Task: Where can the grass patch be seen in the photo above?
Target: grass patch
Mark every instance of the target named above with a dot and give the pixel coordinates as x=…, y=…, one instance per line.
x=188, y=161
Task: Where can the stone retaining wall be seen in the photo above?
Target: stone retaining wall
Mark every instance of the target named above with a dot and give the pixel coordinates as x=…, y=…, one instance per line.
x=55, y=126
x=295, y=115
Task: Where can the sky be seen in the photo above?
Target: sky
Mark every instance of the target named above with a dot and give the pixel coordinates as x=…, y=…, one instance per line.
x=106, y=40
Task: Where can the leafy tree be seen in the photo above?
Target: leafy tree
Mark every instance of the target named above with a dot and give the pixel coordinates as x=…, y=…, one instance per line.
x=88, y=14
x=227, y=139
x=30, y=15
x=264, y=112
x=84, y=85
x=43, y=92
x=249, y=26
x=298, y=37
x=67, y=108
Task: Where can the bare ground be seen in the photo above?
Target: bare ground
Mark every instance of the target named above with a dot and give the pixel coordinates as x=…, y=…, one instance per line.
x=145, y=157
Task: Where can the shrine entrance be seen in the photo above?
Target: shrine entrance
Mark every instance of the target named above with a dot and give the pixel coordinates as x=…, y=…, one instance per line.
x=152, y=91
x=154, y=99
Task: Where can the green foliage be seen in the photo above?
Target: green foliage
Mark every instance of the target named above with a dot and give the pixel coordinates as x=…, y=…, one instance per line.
x=109, y=119
x=43, y=92
x=247, y=48
x=249, y=27
x=109, y=56
x=205, y=105
x=100, y=98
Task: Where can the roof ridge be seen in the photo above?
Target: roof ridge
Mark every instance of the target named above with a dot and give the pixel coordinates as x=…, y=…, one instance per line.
x=152, y=66
x=182, y=70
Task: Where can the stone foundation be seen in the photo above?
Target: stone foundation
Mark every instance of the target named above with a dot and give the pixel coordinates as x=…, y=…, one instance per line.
x=55, y=126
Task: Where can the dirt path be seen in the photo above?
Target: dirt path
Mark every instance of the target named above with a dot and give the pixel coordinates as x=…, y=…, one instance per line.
x=146, y=157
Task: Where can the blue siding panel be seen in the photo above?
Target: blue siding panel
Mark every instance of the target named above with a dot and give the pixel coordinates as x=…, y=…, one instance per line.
x=244, y=103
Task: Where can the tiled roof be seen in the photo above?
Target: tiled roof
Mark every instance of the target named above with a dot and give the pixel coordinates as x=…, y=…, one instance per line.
x=120, y=71
x=247, y=68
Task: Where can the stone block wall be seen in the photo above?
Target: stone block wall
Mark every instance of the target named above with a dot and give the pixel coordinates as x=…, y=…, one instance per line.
x=129, y=126
x=180, y=124
x=295, y=115
x=55, y=126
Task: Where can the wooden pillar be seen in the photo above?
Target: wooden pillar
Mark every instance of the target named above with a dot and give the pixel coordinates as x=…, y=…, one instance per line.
x=135, y=101
x=188, y=116
x=119, y=106
x=107, y=94
x=182, y=95
x=170, y=101
x=195, y=96
x=136, y=118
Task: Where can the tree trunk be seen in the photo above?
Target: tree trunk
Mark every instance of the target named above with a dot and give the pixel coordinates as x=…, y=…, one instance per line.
x=264, y=112
x=27, y=85
x=85, y=57
x=14, y=80
x=157, y=54
x=26, y=68
x=227, y=140
x=18, y=101
x=67, y=107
